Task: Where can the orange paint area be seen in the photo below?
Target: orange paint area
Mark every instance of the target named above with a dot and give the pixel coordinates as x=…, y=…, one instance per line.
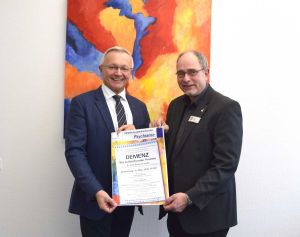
x=79, y=82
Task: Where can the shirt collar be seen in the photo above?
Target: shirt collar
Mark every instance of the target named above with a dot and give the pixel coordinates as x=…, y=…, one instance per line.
x=198, y=99
x=108, y=93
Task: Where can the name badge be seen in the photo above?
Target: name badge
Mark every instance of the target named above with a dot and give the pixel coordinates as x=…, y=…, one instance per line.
x=194, y=119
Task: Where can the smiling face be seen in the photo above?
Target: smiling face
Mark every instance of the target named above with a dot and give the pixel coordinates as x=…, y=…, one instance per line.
x=190, y=77
x=116, y=70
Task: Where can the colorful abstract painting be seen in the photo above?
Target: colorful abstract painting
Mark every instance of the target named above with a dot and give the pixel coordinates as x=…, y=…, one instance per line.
x=154, y=31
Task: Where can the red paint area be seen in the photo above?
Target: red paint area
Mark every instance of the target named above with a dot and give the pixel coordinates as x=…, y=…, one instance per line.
x=86, y=18
x=159, y=39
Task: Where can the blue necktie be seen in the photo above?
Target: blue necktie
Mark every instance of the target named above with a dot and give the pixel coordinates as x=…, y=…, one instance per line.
x=120, y=111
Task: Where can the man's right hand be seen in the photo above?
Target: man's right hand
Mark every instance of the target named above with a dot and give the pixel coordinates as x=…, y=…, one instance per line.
x=105, y=202
x=159, y=123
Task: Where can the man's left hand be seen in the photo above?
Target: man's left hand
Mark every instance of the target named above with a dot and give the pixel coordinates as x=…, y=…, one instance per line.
x=176, y=203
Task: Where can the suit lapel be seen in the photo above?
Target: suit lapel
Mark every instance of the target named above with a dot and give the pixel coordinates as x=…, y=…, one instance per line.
x=199, y=112
x=174, y=122
x=103, y=109
x=190, y=127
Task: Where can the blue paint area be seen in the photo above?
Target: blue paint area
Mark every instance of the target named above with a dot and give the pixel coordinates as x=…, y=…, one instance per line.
x=82, y=55
x=79, y=52
x=141, y=23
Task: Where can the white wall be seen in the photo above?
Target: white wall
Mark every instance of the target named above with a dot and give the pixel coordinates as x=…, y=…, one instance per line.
x=254, y=59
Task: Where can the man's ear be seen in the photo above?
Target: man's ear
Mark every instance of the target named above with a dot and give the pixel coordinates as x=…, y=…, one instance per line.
x=100, y=68
x=207, y=75
x=207, y=72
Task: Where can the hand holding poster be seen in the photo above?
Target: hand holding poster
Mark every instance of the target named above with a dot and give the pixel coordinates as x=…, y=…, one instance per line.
x=139, y=169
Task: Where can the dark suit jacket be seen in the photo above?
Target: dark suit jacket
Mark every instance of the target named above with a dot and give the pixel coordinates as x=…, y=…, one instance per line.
x=88, y=148
x=206, y=160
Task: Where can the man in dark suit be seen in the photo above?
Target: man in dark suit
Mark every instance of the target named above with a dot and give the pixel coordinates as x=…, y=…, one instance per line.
x=203, y=149
x=93, y=116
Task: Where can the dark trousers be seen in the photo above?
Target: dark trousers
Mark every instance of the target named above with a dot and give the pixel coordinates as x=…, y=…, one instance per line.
x=175, y=229
x=117, y=224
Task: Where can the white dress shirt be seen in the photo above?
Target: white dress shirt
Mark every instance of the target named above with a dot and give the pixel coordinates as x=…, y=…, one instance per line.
x=111, y=103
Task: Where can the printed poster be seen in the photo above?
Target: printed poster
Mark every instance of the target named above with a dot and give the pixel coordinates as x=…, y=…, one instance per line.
x=139, y=167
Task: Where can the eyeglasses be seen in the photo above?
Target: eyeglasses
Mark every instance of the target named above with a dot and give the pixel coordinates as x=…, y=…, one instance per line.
x=190, y=72
x=115, y=68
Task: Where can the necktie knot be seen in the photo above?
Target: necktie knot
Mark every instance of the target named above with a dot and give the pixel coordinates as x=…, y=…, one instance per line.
x=117, y=98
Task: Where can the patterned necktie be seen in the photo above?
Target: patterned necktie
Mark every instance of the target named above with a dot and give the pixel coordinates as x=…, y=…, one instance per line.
x=120, y=111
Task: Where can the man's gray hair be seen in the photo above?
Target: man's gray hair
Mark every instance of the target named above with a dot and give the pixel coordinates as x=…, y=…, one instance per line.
x=115, y=49
x=200, y=56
